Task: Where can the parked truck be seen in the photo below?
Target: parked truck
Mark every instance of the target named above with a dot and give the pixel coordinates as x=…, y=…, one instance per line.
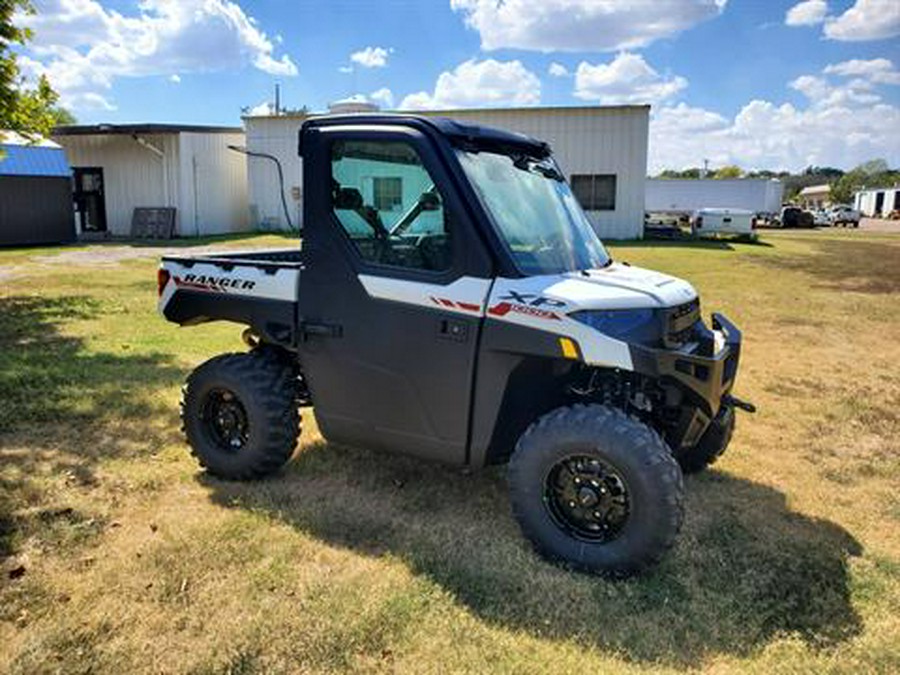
x=451, y=300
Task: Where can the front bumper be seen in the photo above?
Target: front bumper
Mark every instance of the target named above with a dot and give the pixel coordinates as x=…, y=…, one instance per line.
x=704, y=370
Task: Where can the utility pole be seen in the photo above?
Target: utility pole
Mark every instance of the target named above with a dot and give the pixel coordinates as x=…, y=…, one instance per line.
x=277, y=99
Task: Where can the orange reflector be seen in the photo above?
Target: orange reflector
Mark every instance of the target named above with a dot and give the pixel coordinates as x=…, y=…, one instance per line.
x=569, y=348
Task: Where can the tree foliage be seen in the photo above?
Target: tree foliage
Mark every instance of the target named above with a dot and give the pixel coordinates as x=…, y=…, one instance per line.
x=30, y=111
x=726, y=172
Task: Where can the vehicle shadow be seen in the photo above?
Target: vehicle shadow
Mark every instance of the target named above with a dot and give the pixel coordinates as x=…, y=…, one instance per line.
x=846, y=265
x=65, y=407
x=746, y=568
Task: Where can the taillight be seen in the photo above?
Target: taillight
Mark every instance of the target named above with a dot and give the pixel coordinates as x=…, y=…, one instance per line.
x=162, y=278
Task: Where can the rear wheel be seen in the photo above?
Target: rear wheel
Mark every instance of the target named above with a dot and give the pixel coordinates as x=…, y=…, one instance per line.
x=240, y=414
x=593, y=488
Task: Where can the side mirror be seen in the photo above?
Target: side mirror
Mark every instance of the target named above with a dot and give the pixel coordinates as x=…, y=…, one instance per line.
x=429, y=201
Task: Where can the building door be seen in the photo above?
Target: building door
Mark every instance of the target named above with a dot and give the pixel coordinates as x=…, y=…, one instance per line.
x=879, y=203
x=90, y=204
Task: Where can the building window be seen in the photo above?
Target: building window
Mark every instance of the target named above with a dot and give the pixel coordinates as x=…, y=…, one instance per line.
x=387, y=193
x=595, y=192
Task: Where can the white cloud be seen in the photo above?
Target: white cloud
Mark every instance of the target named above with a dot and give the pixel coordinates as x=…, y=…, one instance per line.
x=841, y=126
x=581, y=25
x=264, y=109
x=866, y=20
x=881, y=70
x=83, y=47
x=807, y=13
x=175, y=79
x=480, y=83
x=384, y=97
x=345, y=69
x=628, y=78
x=371, y=57
x=558, y=70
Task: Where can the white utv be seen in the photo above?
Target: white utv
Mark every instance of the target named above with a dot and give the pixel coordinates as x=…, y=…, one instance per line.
x=450, y=300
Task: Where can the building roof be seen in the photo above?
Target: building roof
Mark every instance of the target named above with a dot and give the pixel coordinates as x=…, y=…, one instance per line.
x=445, y=112
x=41, y=157
x=816, y=189
x=131, y=129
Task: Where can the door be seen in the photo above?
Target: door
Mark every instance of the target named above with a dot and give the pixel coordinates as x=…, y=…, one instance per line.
x=392, y=294
x=89, y=200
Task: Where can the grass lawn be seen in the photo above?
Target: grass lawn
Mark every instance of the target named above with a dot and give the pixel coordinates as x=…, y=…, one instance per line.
x=117, y=555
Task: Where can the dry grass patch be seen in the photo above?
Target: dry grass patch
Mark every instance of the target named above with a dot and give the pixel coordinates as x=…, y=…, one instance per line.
x=119, y=556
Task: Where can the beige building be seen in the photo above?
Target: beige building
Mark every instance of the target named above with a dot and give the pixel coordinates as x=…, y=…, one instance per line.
x=815, y=196
x=117, y=168
x=601, y=149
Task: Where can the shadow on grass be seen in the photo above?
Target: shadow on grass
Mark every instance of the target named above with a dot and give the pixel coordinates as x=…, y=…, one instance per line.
x=64, y=408
x=746, y=569
x=845, y=265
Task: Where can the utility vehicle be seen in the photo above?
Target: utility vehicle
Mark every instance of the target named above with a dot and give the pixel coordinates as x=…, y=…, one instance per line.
x=450, y=300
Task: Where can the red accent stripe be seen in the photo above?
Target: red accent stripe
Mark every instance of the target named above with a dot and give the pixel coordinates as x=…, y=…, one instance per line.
x=469, y=306
x=447, y=303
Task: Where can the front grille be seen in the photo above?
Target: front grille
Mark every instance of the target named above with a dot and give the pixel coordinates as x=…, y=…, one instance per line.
x=680, y=322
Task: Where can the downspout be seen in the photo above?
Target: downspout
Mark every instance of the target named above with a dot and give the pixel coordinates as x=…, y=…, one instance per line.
x=165, y=165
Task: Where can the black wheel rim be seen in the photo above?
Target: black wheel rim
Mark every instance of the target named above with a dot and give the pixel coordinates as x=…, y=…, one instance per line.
x=587, y=498
x=225, y=420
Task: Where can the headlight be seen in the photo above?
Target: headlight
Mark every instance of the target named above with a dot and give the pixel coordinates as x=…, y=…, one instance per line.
x=631, y=325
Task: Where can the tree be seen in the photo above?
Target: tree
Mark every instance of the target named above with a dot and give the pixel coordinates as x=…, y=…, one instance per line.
x=33, y=111
x=730, y=171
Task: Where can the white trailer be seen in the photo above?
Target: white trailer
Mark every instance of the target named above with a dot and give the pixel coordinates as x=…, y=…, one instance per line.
x=759, y=195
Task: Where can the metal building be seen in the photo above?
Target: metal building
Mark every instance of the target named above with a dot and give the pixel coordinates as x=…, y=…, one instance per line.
x=877, y=202
x=118, y=168
x=35, y=192
x=681, y=195
x=601, y=149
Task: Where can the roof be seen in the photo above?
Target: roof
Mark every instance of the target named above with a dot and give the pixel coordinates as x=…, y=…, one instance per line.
x=131, y=129
x=815, y=189
x=484, y=137
x=42, y=157
x=455, y=111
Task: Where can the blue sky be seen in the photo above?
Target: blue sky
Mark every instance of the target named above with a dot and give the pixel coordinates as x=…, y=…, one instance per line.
x=759, y=83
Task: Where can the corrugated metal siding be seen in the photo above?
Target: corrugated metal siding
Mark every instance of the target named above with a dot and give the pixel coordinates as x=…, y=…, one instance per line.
x=213, y=184
x=133, y=175
x=24, y=160
x=585, y=141
x=275, y=136
x=36, y=210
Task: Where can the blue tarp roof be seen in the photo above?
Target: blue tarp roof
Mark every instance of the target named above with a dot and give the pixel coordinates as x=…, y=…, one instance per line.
x=45, y=158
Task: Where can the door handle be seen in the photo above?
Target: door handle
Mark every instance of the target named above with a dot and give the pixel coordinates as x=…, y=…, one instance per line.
x=450, y=329
x=332, y=330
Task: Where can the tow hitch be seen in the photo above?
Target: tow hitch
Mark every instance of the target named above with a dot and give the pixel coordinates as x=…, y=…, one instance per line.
x=746, y=406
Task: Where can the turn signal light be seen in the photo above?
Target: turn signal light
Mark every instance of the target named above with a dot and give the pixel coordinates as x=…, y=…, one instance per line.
x=162, y=278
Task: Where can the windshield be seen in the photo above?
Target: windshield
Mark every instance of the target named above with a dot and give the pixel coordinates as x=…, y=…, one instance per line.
x=534, y=212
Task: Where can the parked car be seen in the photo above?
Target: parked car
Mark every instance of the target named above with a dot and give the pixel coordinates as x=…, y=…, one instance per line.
x=821, y=218
x=794, y=216
x=722, y=221
x=845, y=215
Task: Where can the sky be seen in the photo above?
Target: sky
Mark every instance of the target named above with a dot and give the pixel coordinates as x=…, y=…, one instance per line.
x=758, y=83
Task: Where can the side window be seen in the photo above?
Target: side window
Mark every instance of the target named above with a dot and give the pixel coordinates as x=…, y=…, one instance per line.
x=595, y=192
x=388, y=205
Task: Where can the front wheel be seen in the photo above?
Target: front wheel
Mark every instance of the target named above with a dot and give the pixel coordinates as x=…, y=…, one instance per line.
x=593, y=488
x=240, y=414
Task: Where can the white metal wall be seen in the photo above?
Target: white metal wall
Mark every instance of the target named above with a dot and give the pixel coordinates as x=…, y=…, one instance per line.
x=585, y=140
x=275, y=136
x=759, y=195
x=212, y=184
x=132, y=175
